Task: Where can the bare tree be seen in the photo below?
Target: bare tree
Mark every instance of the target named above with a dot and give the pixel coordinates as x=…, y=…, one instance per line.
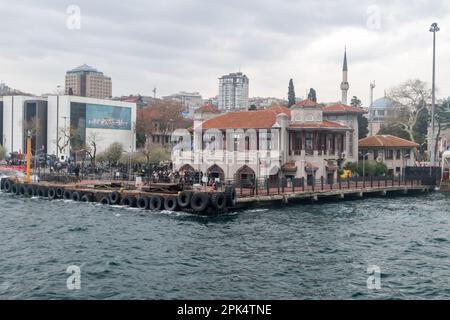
x=91, y=147
x=63, y=140
x=160, y=117
x=413, y=95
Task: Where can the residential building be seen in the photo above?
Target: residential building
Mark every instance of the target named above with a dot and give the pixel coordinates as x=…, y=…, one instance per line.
x=85, y=81
x=307, y=141
x=189, y=100
x=395, y=152
x=213, y=100
x=260, y=102
x=233, y=92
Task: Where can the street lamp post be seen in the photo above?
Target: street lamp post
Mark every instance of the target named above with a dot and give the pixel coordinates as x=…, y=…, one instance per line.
x=364, y=155
x=434, y=28
x=372, y=86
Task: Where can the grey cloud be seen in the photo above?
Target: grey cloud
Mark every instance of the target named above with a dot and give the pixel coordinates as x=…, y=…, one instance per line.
x=182, y=44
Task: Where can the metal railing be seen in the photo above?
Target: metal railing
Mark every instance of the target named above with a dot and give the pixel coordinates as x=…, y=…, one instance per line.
x=248, y=188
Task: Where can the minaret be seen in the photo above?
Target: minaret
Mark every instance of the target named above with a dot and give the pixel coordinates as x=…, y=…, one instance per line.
x=344, y=85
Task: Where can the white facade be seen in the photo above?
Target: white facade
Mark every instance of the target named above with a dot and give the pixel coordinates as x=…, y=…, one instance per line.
x=13, y=121
x=189, y=100
x=59, y=119
x=302, y=142
x=233, y=92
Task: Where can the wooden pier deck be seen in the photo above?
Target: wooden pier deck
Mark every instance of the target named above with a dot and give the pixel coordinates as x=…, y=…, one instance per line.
x=247, y=197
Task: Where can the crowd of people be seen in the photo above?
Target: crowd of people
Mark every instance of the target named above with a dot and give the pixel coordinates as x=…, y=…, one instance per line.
x=162, y=172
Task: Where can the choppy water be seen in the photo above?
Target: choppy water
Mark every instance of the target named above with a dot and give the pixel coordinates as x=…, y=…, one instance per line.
x=318, y=251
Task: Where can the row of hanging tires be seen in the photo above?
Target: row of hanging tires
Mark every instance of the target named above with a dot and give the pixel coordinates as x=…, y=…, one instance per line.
x=190, y=201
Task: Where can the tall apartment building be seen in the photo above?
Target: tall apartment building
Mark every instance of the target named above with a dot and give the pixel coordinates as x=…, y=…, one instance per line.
x=86, y=81
x=233, y=92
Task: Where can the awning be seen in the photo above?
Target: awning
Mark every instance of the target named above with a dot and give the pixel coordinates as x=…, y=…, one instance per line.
x=310, y=168
x=289, y=167
x=330, y=166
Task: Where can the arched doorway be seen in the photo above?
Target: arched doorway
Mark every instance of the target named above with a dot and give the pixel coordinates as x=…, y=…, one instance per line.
x=245, y=176
x=215, y=172
x=186, y=168
x=274, y=176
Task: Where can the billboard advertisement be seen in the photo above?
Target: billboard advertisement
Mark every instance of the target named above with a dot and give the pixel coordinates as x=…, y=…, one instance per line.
x=108, y=117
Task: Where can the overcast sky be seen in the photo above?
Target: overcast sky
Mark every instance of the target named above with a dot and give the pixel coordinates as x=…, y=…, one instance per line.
x=187, y=44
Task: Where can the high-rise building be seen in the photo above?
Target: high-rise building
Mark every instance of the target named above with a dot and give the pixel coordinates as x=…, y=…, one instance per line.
x=86, y=81
x=233, y=92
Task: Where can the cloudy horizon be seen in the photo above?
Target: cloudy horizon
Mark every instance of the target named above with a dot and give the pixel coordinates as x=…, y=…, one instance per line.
x=178, y=45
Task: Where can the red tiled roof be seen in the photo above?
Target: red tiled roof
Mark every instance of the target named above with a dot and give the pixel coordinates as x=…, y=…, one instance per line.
x=342, y=108
x=306, y=104
x=318, y=125
x=207, y=108
x=260, y=119
x=386, y=141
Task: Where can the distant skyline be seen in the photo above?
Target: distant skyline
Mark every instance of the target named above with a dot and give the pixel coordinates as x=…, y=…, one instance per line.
x=186, y=45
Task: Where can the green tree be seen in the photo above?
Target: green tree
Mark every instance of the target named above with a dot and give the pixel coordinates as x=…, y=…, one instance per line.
x=312, y=95
x=396, y=130
x=291, y=94
x=380, y=169
x=356, y=102
x=114, y=153
x=420, y=127
x=369, y=168
x=363, y=122
x=154, y=155
x=363, y=126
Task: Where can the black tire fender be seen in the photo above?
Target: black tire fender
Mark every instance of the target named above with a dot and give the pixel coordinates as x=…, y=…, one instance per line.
x=22, y=189
x=219, y=201
x=8, y=186
x=42, y=192
x=15, y=188
x=114, y=197
x=142, y=203
x=200, y=201
x=67, y=195
x=129, y=201
x=76, y=196
x=59, y=192
x=184, y=199
x=230, y=193
x=29, y=190
x=104, y=201
x=51, y=193
x=86, y=198
x=156, y=203
x=171, y=203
